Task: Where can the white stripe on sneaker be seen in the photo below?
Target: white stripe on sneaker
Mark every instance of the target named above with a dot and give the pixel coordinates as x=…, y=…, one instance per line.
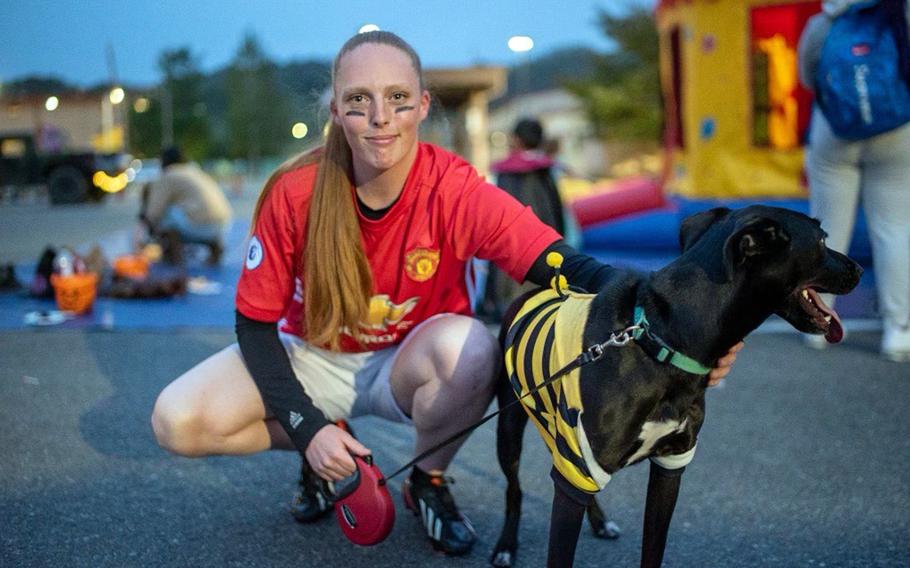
x=423, y=512
x=431, y=518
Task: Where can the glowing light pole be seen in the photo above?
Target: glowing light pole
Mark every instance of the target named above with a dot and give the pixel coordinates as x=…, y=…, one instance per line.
x=108, y=110
x=523, y=45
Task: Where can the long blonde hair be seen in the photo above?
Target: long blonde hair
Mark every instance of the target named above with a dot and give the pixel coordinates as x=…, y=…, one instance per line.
x=337, y=282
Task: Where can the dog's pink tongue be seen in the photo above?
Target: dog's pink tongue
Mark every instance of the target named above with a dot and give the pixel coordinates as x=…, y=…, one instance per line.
x=835, y=331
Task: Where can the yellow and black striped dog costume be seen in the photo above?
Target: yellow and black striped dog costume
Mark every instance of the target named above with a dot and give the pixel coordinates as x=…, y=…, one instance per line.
x=546, y=335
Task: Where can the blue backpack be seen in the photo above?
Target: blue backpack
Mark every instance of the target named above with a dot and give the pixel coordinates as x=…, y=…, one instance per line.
x=859, y=85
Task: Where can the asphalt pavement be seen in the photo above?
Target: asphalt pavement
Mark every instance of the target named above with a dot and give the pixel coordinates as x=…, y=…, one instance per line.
x=803, y=461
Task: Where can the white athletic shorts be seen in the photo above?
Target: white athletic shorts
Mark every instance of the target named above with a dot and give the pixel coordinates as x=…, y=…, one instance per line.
x=348, y=385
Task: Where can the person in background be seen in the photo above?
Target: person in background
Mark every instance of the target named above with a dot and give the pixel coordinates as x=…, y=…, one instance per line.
x=875, y=169
x=185, y=205
x=353, y=298
x=527, y=175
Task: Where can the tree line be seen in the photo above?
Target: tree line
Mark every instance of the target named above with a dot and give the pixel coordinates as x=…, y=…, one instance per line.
x=243, y=111
x=246, y=110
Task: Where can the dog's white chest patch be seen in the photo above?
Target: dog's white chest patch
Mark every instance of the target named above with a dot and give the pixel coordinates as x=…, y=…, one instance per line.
x=651, y=432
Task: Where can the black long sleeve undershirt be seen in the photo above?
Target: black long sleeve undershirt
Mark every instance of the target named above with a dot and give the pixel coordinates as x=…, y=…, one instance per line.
x=270, y=366
x=581, y=270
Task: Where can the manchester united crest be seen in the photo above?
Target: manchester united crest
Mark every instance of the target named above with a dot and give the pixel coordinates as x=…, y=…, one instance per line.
x=421, y=264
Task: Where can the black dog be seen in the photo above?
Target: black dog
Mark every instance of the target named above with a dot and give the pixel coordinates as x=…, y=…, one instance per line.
x=646, y=400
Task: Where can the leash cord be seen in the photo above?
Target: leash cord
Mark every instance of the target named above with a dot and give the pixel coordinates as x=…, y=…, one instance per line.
x=589, y=355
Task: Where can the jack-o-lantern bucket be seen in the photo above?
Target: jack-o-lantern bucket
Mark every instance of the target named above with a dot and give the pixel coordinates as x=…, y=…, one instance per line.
x=76, y=292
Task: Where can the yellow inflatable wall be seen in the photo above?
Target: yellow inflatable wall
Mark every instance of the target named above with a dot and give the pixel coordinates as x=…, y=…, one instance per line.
x=735, y=111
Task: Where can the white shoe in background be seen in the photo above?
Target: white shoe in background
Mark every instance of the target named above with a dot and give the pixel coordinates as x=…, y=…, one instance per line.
x=896, y=343
x=815, y=341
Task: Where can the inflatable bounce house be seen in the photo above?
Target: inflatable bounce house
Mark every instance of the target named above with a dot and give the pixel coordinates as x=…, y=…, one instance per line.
x=735, y=120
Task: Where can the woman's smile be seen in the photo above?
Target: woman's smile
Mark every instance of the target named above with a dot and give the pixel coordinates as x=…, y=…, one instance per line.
x=382, y=140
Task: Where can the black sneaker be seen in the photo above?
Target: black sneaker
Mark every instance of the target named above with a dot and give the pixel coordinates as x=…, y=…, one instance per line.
x=312, y=501
x=428, y=495
x=216, y=249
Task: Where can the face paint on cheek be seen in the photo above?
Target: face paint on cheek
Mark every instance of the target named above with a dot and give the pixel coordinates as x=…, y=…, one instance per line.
x=355, y=113
x=403, y=109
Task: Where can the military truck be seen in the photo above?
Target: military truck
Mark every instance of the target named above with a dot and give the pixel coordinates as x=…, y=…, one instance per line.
x=70, y=177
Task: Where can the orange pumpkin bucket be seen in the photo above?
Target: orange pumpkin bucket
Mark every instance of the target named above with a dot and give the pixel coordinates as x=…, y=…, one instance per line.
x=131, y=266
x=76, y=292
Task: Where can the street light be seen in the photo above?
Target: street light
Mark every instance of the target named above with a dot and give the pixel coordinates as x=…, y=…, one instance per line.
x=110, y=111
x=523, y=44
x=117, y=95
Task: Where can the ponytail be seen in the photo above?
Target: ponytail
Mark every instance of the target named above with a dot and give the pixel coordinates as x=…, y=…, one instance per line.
x=337, y=282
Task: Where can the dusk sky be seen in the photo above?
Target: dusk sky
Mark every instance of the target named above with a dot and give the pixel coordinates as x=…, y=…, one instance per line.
x=68, y=38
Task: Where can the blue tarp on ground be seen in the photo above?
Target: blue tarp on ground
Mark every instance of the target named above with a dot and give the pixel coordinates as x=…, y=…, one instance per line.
x=190, y=310
x=646, y=241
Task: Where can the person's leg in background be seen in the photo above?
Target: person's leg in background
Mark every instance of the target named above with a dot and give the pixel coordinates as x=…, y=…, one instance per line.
x=832, y=166
x=169, y=235
x=211, y=235
x=177, y=229
x=886, y=195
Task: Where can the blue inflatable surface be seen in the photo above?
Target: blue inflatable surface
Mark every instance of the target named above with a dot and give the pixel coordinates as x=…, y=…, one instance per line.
x=650, y=240
x=658, y=230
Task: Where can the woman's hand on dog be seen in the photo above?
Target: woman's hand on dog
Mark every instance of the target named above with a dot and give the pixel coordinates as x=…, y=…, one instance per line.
x=724, y=364
x=329, y=453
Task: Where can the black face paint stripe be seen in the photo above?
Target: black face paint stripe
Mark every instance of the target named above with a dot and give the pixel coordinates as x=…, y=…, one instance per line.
x=404, y=108
x=354, y=113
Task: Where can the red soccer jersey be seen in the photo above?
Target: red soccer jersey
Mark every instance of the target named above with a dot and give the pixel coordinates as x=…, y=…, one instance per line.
x=418, y=251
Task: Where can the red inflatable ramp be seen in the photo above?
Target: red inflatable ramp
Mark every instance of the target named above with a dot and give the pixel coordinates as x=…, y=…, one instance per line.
x=626, y=196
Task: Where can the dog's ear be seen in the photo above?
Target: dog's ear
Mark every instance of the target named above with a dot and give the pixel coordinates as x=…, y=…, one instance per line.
x=694, y=226
x=753, y=238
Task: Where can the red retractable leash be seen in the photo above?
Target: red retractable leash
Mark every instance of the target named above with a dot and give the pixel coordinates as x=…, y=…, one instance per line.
x=363, y=505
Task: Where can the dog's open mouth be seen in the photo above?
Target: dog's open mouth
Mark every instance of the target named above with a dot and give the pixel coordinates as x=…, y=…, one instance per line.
x=823, y=317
